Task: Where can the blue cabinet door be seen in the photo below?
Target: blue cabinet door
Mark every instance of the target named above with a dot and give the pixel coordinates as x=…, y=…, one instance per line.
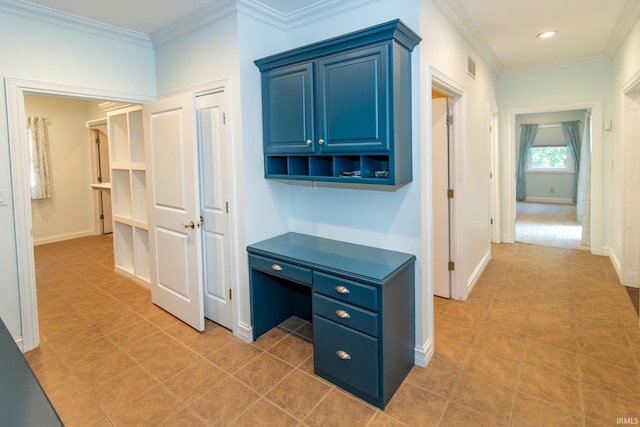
x=287, y=105
x=353, y=108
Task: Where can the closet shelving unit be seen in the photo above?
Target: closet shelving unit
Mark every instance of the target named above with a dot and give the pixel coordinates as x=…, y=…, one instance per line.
x=129, y=193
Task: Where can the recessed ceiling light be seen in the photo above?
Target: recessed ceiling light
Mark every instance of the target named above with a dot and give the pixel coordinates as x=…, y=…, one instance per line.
x=547, y=34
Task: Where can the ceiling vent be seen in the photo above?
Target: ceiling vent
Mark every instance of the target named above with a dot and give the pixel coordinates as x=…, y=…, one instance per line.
x=471, y=67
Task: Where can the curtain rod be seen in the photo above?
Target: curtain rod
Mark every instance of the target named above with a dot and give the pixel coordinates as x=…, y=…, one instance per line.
x=550, y=124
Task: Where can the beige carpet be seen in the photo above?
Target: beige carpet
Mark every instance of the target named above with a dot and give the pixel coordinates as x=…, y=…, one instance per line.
x=548, y=224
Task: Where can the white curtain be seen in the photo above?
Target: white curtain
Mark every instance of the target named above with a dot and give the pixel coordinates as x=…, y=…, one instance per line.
x=583, y=204
x=38, y=159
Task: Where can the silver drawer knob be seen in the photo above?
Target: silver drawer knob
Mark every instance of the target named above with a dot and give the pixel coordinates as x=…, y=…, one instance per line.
x=343, y=314
x=276, y=267
x=342, y=290
x=343, y=355
x=308, y=141
x=321, y=141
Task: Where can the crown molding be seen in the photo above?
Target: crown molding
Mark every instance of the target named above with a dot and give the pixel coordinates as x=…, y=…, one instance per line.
x=255, y=9
x=263, y=13
x=557, y=65
x=299, y=17
x=52, y=16
x=195, y=20
x=322, y=10
x=455, y=13
x=627, y=19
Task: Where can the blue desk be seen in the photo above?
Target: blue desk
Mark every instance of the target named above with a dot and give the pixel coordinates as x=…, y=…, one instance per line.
x=23, y=403
x=359, y=299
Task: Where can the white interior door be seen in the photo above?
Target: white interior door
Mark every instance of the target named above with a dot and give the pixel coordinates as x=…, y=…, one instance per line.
x=631, y=262
x=214, y=198
x=440, y=187
x=175, y=249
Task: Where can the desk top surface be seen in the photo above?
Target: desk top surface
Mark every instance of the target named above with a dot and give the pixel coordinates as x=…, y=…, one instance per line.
x=365, y=261
x=22, y=400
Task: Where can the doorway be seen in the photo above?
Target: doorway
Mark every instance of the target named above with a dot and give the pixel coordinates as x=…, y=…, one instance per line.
x=553, y=187
x=100, y=175
x=16, y=89
x=441, y=185
x=451, y=259
x=510, y=170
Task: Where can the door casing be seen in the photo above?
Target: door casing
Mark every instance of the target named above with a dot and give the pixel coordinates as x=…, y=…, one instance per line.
x=15, y=89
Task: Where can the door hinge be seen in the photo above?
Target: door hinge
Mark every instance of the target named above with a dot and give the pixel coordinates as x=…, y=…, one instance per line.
x=230, y=296
x=450, y=193
x=490, y=175
x=227, y=206
x=101, y=216
x=224, y=118
x=491, y=221
x=452, y=265
x=449, y=119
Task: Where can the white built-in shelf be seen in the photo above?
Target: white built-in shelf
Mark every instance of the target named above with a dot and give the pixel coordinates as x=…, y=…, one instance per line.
x=129, y=193
x=103, y=186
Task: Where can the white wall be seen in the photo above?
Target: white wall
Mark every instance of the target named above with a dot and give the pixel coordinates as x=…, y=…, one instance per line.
x=226, y=49
x=33, y=49
x=68, y=213
x=444, y=49
x=626, y=69
x=389, y=219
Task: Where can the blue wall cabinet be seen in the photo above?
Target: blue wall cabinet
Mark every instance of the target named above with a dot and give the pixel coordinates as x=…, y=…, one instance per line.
x=359, y=299
x=340, y=110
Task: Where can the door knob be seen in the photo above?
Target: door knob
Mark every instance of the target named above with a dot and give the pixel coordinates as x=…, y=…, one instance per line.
x=190, y=225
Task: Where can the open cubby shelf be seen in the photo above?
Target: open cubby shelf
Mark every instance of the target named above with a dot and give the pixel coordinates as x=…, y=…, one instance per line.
x=372, y=168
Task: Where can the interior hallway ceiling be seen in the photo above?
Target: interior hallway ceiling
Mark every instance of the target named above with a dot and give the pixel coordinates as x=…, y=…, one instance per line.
x=502, y=31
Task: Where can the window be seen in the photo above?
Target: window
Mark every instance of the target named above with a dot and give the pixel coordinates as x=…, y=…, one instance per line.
x=550, y=159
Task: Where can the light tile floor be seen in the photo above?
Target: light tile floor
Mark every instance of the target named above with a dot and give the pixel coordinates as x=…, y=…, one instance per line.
x=547, y=338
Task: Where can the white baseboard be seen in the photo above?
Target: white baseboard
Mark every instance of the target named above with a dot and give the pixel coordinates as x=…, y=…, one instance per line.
x=20, y=344
x=62, y=237
x=617, y=265
x=475, y=276
x=549, y=200
x=423, y=354
x=244, y=332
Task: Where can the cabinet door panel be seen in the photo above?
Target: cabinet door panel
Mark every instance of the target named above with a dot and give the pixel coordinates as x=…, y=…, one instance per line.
x=352, y=96
x=358, y=367
x=287, y=102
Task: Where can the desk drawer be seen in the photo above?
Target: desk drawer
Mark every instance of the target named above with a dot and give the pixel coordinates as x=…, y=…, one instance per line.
x=346, y=290
x=280, y=269
x=357, y=366
x=346, y=314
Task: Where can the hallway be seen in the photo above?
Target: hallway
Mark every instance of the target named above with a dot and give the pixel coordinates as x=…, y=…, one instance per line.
x=547, y=338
